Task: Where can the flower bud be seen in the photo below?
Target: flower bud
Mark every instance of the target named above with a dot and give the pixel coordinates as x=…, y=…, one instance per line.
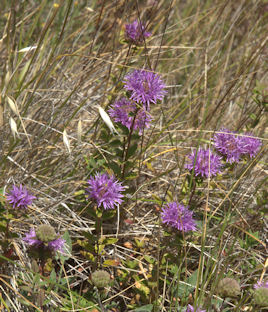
x=261, y=297
x=45, y=233
x=228, y=287
x=100, y=278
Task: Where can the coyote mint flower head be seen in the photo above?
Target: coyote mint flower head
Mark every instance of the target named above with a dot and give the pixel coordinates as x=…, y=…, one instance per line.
x=191, y=309
x=123, y=111
x=204, y=163
x=105, y=190
x=261, y=297
x=101, y=278
x=136, y=33
x=233, y=146
x=261, y=284
x=178, y=216
x=19, y=197
x=228, y=287
x=145, y=87
x=44, y=237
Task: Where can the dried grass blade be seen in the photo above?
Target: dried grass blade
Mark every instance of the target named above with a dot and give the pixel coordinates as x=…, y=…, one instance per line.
x=66, y=141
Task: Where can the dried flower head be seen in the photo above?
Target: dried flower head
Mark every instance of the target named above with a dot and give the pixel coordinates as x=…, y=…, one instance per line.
x=136, y=33
x=45, y=233
x=191, y=309
x=105, y=190
x=145, y=87
x=204, y=163
x=123, y=111
x=228, y=287
x=101, y=278
x=44, y=237
x=261, y=297
x=178, y=216
x=19, y=197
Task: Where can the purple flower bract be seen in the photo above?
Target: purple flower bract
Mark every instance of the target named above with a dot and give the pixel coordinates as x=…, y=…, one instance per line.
x=250, y=144
x=259, y=284
x=19, y=197
x=204, y=163
x=178, y=216
x=54, y=245
x=191, y=309
x=136, y=33
x=123, y=111
x=145, y=87
x=105, y=190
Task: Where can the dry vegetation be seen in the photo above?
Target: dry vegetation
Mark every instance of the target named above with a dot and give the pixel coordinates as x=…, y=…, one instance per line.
x=211, y=55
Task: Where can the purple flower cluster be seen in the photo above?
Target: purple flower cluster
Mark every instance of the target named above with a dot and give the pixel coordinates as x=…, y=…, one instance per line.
x=146, y=87
x=191, y=309
x=136, y=33
x=123, y=111
x=56, y=244
x=105, y=190
x=260, y=284
x=233, y=147
x=178, y=216
x=19, y=197
x=204, y=163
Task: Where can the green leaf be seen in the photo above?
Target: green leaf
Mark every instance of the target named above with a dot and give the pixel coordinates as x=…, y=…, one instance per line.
x=149, y=259
x=53, y=277
x=116, y=169
x=129, y=165
x=67, y=248
x=108, y=240
x=108, y=214
x=131, y=176
x=184, y=290
x=119, y=152
x=135, y=136
x=146, y=308
x=132, y=264
x=110, y=262
x=139, y=243
x=91, y=238
x=105, y=136
x=116, y=143
x=124, y=129
x=132, y=150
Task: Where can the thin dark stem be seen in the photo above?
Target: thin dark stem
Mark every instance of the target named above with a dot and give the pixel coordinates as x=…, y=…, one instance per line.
x=43, y=266
x=126, y=60
x=192, y=192
x=7, y=230
x=98, y=232
x=162, y=39
x=100, y=303
x=125, y=151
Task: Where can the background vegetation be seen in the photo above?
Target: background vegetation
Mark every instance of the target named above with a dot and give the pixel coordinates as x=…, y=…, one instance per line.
x=211, y=55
